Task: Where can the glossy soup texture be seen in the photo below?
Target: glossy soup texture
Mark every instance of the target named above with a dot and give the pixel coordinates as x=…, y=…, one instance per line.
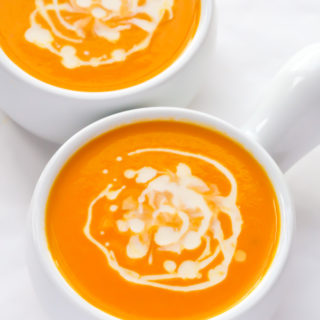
x=162, y=220
x=96, y=45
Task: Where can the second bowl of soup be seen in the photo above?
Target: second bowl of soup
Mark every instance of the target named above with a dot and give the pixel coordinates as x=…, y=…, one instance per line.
x=73, y=61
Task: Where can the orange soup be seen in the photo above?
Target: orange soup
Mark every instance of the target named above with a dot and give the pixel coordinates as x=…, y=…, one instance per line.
x=162, y=220
x=96, y=45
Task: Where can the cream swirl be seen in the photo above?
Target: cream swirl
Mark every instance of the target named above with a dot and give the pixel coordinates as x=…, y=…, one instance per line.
x=61, y=26
x=176, y=212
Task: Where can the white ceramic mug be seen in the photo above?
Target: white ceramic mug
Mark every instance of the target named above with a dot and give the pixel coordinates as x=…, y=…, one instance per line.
x=279, y=125
x=55, y=113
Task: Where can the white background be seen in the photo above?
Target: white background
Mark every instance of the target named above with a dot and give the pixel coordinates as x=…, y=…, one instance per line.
x=255, y=37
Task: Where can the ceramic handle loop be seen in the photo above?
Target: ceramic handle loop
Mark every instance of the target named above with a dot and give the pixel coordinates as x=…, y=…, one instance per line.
x=287, y=123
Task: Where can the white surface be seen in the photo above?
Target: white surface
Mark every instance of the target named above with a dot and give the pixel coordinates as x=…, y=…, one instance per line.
x=254, y=39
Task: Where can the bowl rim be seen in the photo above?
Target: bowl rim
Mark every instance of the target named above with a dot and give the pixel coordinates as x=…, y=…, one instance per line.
x=43, y=187
x=206, y=17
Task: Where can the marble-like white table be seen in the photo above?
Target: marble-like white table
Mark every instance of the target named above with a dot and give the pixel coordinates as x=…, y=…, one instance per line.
x=254, y=39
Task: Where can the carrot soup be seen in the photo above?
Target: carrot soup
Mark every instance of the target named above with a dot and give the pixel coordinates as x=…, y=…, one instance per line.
x=162, y=220
x=96, y=45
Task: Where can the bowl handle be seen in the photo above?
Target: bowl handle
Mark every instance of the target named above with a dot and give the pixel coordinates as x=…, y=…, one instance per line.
x=287, y=122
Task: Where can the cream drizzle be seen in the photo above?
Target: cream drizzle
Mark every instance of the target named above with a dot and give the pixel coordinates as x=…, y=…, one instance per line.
x=189, y=198
x=102, y=14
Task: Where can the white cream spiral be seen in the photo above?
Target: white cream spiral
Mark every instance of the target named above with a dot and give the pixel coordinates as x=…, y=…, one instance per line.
x=176, y=212
x=55, y=22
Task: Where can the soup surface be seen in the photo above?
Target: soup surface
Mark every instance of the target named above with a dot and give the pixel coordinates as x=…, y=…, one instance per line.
x=162, y=220
x=96, y=45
